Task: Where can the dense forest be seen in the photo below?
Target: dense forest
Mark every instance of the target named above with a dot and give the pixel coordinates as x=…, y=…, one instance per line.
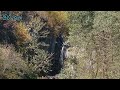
x=59, y=45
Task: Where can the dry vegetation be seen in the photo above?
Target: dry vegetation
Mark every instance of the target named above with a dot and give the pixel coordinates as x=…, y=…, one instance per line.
x=94, y=38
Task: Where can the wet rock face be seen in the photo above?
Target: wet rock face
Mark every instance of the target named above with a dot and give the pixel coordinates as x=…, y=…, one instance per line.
x=58, y=48
x=55, y=48
x=55, y=45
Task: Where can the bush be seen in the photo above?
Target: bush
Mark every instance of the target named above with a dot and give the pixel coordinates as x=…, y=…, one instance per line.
x=58, y=20
x=21, y=33
x=13, y=32
x=96, y=37
x=12, y=65
x=38, y=59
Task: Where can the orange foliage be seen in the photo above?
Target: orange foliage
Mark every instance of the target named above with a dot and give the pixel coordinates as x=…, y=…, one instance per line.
x=58, y=21
x=21, y=32
x=57, y=18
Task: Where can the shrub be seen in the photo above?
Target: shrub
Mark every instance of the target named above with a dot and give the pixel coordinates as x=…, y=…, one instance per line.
x=58, y=20
x=57, y=17
x=38, y=60
x=21, y=33
x=12, y=65
x=13, y=32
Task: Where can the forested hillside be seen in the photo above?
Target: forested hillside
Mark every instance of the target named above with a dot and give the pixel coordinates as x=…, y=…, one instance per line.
x=59, y=44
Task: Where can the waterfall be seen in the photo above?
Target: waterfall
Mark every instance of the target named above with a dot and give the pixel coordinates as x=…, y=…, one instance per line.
x=61, y=56
x=58, y=47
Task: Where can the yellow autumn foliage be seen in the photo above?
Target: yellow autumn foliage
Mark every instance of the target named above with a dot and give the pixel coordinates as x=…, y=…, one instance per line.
x=57, y=20
x=21, y=33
